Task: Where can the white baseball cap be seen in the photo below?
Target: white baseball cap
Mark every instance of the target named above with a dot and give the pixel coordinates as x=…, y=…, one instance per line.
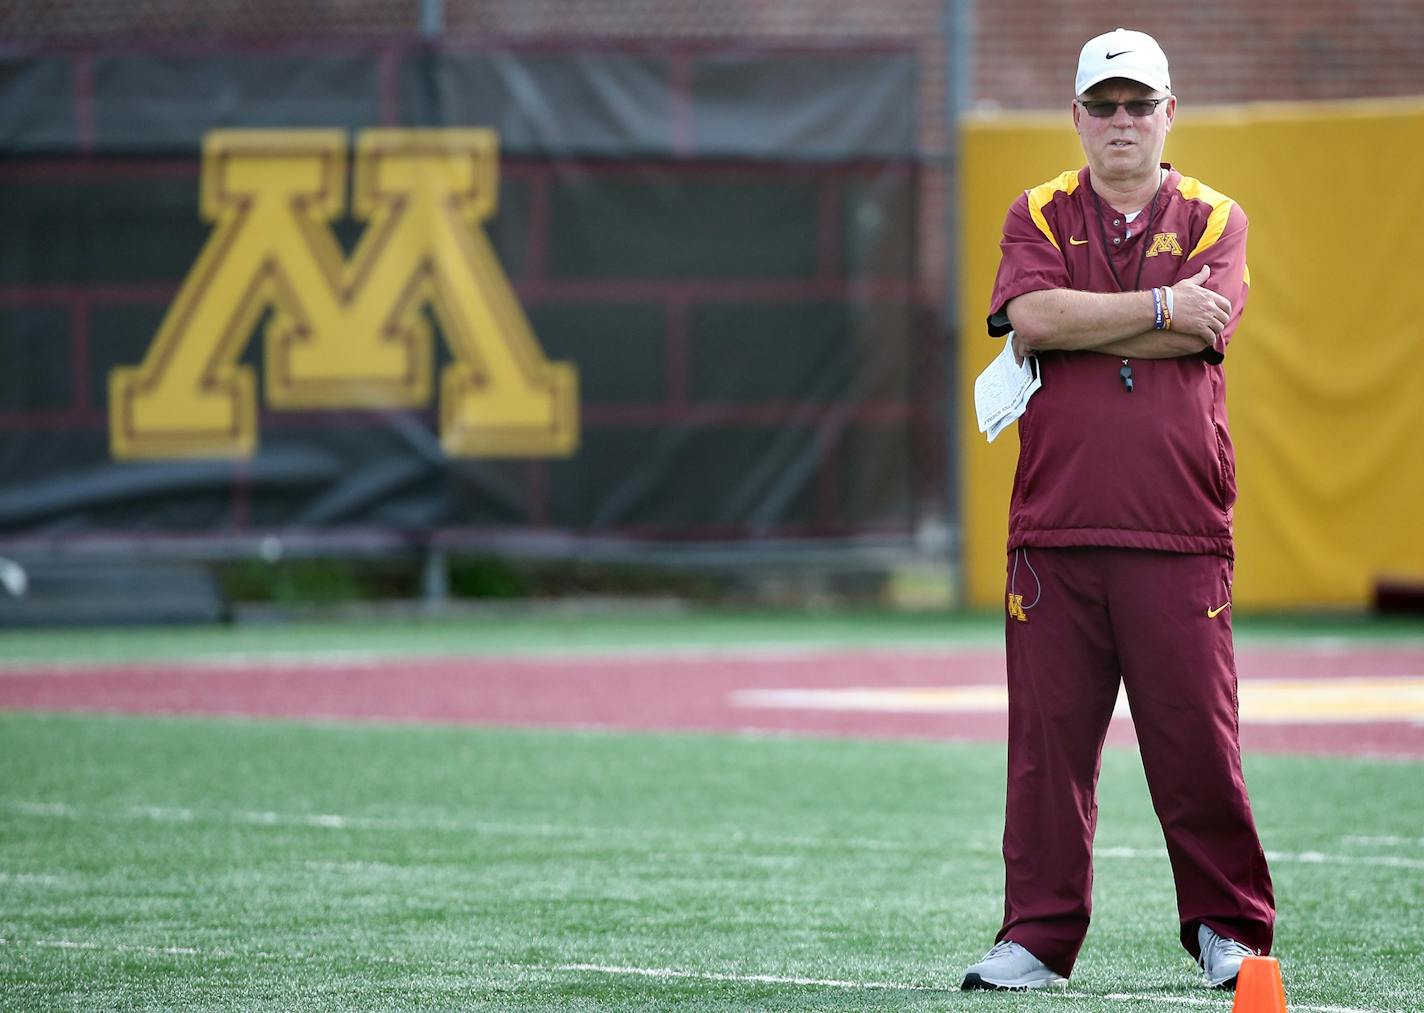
x=1122, y=53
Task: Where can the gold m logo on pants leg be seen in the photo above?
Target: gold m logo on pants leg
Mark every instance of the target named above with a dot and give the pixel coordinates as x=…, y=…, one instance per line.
x=345, y=333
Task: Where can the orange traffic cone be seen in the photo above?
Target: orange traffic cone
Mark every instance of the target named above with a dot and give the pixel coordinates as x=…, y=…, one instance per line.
x=1259, y=988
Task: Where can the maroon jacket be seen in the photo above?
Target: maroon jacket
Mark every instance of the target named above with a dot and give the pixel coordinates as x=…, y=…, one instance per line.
x=1098, y=465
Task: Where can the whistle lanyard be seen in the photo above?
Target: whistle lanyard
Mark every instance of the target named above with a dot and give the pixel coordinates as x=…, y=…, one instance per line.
x=1126, y=371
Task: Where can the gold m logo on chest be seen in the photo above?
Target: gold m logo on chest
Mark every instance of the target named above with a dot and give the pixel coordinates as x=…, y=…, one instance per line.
x=1164, y=242
x=339, y=332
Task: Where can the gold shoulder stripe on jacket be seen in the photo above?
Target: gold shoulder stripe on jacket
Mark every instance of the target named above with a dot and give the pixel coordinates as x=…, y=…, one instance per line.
x=1040, y=195
x=1221, y=205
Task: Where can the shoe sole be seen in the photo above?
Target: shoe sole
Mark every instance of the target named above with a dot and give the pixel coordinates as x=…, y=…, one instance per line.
x=974, y=983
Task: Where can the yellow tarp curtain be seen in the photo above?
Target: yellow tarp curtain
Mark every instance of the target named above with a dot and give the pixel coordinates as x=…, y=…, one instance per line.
x=1325, y=380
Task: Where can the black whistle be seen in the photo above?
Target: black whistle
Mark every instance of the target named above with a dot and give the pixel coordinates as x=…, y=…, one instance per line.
x=1126, y=374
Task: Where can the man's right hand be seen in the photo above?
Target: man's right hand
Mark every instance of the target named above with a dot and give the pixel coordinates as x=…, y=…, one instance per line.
x=1199, y=311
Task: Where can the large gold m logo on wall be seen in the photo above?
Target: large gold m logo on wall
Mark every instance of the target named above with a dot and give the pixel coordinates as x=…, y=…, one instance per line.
x=345, y=333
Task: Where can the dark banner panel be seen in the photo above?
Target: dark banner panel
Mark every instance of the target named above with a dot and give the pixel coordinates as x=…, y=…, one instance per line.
x=431, y=292
x=548, y=100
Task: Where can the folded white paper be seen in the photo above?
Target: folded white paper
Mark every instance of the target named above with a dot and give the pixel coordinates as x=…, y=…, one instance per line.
x=1002, y=391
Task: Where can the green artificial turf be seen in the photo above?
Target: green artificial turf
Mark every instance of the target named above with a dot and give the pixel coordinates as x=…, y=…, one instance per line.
x=166, y=864
x=543, y=630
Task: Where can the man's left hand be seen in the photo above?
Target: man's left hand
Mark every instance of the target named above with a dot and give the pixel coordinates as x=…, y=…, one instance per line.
x=1021, y=349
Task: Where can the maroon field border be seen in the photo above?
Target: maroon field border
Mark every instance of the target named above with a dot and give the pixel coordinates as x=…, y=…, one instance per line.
x=673, y=691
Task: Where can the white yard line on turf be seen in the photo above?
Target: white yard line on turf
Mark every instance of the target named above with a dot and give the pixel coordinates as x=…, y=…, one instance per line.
x=777, y=979
x=732, y=837
x=335, y=821
x=69, y=944
x=675, y=973
x=1282, y=857
x=1386, y=840
x=213, y=953
x=27, y=808
x=760, y=979
x=1201, y=1001
x=27, y=878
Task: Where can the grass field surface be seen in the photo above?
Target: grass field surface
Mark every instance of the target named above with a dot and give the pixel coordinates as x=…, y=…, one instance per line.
x=507, y=631
x=231, y=864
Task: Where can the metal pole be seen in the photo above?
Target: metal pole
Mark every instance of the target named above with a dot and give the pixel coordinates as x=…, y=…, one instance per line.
x=959, y=34
x=435, y=580
x=432, y=18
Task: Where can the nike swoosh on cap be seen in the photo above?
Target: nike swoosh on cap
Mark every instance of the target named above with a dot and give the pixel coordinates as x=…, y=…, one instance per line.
x=1114, y=56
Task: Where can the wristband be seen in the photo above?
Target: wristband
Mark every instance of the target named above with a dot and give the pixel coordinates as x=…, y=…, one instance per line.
x=1167, y=291
x=1157, y=309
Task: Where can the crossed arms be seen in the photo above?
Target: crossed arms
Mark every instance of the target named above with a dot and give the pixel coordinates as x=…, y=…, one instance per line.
x=1118, y=323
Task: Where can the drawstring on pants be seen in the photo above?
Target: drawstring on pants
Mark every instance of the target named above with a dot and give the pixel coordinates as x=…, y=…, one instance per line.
x=1013, y=577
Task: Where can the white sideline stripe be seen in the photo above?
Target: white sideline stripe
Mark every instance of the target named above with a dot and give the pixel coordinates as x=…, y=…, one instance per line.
x=1377, y=698
x=336, y=821
x=1317, y=858
x=759, y=979
x=29, y=877
x=1383, y=839
x=69, y=944
x=1283, y=857
x=28, y=808
x=1167, y=1000
x=668, y=972
x=1196, y=1001
x=155, y=951
x=1048, y=993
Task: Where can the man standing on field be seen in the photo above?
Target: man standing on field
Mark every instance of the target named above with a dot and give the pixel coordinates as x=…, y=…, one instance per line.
x=1127, y=280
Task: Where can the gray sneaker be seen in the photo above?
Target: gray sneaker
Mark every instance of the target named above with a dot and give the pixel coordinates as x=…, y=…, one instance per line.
x=1220, y=958
x=1009, y=967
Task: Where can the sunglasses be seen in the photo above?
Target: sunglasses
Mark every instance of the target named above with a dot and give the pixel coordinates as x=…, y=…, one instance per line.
x=1135, y=107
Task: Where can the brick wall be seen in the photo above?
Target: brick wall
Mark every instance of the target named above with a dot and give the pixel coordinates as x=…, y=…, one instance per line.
x=1024, y=51
x=1220, y=51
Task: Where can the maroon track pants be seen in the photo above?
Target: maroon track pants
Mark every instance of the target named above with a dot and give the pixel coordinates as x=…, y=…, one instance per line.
x=1094, y=617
